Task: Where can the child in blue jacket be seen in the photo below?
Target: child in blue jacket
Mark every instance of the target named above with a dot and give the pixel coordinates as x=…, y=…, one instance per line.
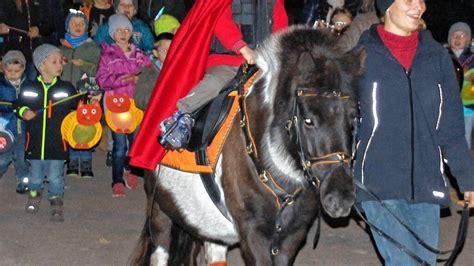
x=13, y=128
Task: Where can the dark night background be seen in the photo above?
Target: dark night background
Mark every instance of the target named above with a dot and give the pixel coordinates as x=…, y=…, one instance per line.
x=439, y=15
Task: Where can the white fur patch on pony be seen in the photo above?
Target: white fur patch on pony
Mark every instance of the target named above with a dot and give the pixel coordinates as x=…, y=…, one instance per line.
x=193, y=202
x=214, y=252
x=267, y=60
x=279, y=160
x=159, y=257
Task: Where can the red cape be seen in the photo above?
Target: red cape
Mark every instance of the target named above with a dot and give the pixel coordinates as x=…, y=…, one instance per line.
x=184, y=67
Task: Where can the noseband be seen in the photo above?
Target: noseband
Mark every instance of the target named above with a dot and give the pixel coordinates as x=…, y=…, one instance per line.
x=294, y=130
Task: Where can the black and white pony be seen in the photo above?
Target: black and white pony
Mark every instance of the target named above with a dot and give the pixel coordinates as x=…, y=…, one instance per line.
x=288, y=156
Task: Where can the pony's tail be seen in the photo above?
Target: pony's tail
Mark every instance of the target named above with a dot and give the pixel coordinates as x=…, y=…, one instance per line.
x=184, y=248
x=144, y=248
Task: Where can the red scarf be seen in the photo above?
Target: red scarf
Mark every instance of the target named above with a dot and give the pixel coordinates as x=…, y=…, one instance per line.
x=403, y=48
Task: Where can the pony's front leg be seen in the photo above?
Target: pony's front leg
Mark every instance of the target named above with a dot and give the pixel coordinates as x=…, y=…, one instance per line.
x=254, y=246
x=216, y=255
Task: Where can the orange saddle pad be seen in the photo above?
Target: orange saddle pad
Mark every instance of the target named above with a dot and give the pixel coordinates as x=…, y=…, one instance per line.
x=185, y=160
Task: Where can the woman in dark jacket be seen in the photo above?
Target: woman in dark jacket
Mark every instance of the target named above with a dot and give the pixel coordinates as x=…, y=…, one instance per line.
x=411, y=122
x=23, y=16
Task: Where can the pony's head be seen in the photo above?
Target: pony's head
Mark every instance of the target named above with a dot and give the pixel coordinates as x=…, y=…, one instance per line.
x=309, y=97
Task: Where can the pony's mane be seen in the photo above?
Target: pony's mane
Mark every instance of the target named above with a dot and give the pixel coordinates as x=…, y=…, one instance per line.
x=284, y=48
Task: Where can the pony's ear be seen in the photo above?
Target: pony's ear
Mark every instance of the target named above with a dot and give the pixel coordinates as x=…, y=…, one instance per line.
x=358, y=57
x=305, y=63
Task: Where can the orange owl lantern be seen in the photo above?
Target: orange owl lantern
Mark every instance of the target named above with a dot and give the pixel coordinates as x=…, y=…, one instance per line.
x=122, y=116
x=81, y=128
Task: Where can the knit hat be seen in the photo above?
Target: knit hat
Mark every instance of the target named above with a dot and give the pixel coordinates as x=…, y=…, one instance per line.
x=14, y=55
x=117, y=21
x=383, y=5
x=117, y=3
x=75, y=13
x=42, y=52
x=165, y=23
x=459, y=26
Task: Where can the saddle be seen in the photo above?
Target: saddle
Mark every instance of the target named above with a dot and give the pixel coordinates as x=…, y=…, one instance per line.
x=212, y=126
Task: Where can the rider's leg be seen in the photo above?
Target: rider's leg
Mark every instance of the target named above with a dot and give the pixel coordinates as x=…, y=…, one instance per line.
x=208, y=88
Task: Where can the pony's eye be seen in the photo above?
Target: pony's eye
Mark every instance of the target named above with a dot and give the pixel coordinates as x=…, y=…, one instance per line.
x=308, y=122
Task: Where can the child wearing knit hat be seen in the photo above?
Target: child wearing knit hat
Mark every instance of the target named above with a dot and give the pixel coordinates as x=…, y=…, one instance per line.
x=119, y=68
x=11, y=82
x=141, y=32
x=166, y=23
x=43, y=104
x=459, y=39
x=82, y=57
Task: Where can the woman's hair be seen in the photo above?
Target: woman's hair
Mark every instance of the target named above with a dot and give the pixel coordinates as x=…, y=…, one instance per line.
x=341, y=10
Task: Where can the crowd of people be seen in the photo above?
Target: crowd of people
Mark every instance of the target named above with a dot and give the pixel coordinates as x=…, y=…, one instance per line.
x=50, y=65
x=49, y=53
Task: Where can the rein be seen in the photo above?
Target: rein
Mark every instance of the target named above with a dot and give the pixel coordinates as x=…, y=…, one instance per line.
x=460, y=237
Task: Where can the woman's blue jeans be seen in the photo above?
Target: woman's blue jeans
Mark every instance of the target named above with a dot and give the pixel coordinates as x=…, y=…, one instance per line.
x=53, y=170
x=422, y=218
x=119, y=155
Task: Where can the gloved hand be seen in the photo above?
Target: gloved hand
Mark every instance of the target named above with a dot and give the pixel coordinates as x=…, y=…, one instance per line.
x=176, y=131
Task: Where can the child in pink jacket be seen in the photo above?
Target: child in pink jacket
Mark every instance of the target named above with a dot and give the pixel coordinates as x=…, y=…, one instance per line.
x=119, y=67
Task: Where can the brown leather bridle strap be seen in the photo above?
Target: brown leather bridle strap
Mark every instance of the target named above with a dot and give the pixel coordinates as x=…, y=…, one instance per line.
x=280, y=195
x=331, y=158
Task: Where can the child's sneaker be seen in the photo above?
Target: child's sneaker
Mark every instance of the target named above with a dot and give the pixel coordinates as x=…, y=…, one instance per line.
x=56, y=204
x=21, y=188
x=176, y=131
x=118, y=190
x=131, y=180
x=73, y=168
x=34, y=200
x=86, y=169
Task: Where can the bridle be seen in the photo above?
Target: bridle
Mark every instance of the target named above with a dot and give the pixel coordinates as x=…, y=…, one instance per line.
x=282, y=197
x=293, y=128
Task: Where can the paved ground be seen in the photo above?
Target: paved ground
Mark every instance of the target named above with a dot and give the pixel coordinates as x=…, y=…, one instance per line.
x=101, y=230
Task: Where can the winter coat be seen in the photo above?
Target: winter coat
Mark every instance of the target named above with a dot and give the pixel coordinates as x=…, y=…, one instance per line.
x=98, y=17
x=114, y=64
x=146, y=83
x=142, y=36
x=89, y=52
x=51, y=21
x=9, y=93
x=361, y=23
x=410, y=123
x=43, y=133
x=15, y=40
x=228, y=33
